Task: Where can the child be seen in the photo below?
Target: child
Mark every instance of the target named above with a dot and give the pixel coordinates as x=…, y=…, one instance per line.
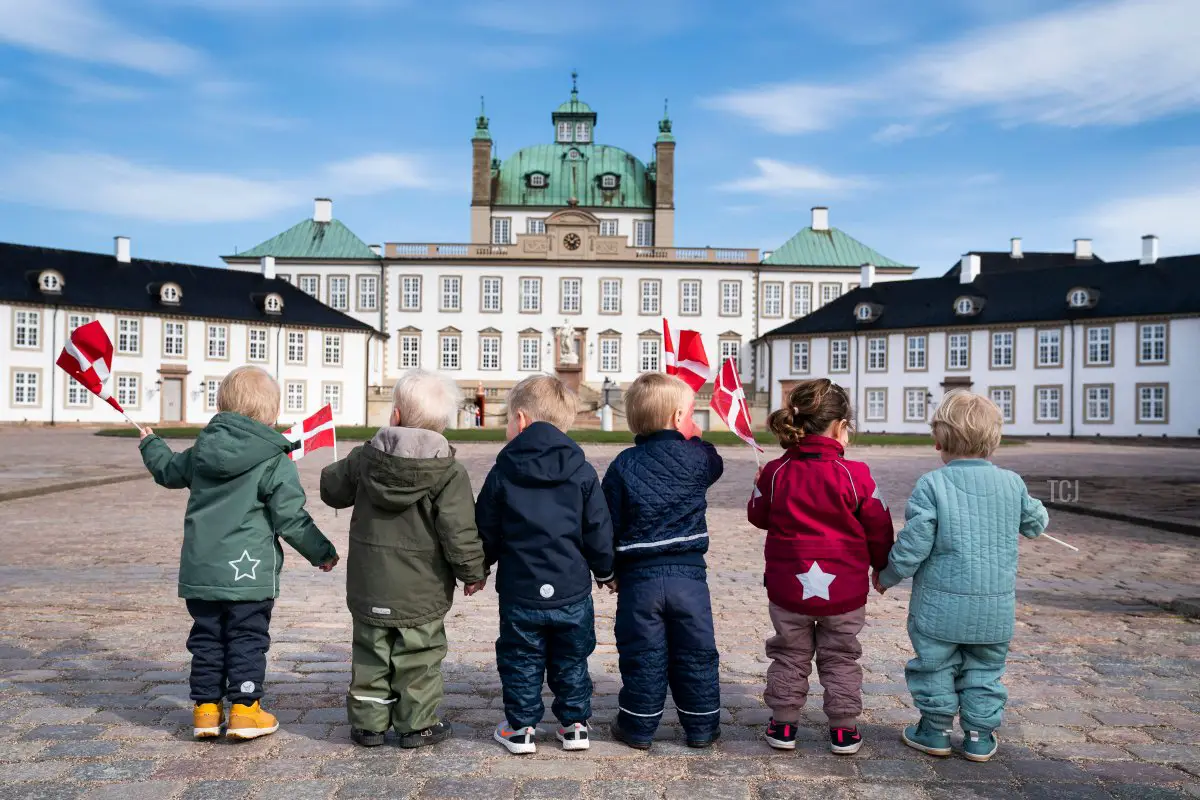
x=411, y=534
x=244, y=495
x=664, y=626
x=543, y=520
x=959, y=541
x=826, y=524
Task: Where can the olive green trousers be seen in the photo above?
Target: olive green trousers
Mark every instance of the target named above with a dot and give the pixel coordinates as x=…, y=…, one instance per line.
x=396, y=677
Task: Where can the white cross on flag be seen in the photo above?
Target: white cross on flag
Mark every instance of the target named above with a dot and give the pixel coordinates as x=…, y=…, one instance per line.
x=312, y=434
x=690, y=363
x=729, y=401
x=88, y=359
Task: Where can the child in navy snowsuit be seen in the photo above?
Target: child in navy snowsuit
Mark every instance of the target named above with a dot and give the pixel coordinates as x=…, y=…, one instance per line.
x=664, y=626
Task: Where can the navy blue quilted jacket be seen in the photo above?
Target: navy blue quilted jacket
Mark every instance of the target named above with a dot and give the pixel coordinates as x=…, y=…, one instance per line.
x=656, y=498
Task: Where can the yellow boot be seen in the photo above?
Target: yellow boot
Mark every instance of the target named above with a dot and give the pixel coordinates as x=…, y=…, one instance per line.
x=250, y=722
x=207, y=720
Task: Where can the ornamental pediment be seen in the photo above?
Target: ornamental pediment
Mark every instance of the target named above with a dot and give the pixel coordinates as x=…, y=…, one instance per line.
x=572, y=216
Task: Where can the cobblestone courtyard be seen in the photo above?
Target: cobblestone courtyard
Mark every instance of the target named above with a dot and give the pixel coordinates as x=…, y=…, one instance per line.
x=1105, y=683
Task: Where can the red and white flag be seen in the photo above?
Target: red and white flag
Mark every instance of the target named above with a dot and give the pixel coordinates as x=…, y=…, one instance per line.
x=688, y=361
x=88, y=359
x=313, y=434
x=729, y=401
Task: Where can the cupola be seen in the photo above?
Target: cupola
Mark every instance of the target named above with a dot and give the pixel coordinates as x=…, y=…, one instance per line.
x=574, y=120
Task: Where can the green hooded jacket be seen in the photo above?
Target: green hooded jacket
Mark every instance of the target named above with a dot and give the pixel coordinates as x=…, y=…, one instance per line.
x=412, y=531
x=245, y=496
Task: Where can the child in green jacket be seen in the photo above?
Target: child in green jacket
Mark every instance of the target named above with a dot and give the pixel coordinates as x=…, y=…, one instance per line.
x=245, y=495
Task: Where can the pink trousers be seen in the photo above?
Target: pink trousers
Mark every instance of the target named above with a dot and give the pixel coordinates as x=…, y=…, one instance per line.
x=834, y=643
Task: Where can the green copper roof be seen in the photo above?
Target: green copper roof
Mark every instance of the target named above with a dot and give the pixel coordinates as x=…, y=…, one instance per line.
x=574, y=106
x=827, y=248
x=568, y=178
x=314, y=240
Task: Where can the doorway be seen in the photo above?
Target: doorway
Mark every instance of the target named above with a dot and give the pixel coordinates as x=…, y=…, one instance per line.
x=172, y=400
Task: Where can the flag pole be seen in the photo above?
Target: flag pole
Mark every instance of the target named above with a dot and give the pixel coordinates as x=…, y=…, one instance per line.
x=1060, y=541
x=131, y=422
x=335, y=458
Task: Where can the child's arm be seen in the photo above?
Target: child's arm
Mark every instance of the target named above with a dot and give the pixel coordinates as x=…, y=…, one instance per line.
x=613, y=488
x=169, y=469
x=758, y=510
x=339, y=481
x=487, y=517
x=285, y=503
x=597, y=531
x=454, y=518
x=716, y=466
x=1034, y=517
x=915, y=541
x=876, y=520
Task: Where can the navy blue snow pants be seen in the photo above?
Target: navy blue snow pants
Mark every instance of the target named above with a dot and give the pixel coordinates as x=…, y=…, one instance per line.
x=664, y=632
x=228, y=643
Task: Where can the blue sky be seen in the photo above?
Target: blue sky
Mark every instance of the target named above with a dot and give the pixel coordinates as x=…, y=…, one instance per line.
x=198, y=127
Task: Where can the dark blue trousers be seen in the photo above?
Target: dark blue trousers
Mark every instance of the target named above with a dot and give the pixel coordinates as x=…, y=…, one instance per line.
x=664, y=631
x=550, y=643
x=228, y=643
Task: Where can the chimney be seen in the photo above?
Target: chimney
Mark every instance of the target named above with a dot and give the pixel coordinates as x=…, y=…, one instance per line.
x=1149, y=249
x=322, y=210
x=1015, y=250
x=969, y=268
x=268, y=267
x=121, y=249
x=820, y=218
x=868, y=276
x=1083, y=249
x=376, y=249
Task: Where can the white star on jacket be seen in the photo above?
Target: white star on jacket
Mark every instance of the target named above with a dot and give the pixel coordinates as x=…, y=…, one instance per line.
x=239, y=565
x=816, y=582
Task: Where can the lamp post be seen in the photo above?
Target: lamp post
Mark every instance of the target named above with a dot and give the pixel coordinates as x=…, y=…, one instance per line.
x=606, y=412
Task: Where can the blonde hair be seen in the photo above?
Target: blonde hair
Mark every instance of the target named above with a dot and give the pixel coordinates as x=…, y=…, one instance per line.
x=653, y=399
x=967, y=425
x=426, y=400
x=544, y=398
x=811, y=407
x=251, y=392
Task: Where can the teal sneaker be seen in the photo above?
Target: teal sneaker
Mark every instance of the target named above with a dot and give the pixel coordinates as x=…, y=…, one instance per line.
x=925, y=737
x=979, y=746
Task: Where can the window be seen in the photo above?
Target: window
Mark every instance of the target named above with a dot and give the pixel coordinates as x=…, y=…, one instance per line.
x=1079, y=298
x=1152, y=402
x=173, y=339
x=1002, y=396
x=218, y=341
x=608, y=227
x=451, y=293
x=490, y=288
x=1152, y=338
x=915, y=353
x=273, y=304
x=295, y=396
x=451, y=348
x=772, y=299
x=643, y=233
x=333, y=350
x=1003, y=349
x=876, y=405
x=77, y=395
x=256, y=344
x=958, y=351
x=295, y=347
x=331, y=395
x=564, y=131
x=410, y=293
x=310, y=285
x=830, y=292
x=410, y=350
x=1099, y=347
x=27, y=329
x=339, y=292
x=608, y=182
x=916, y=403
x=689, y=298
x=127, y=390
x=1097, y=404
x=731, y=298
x=25, y=388
x=211, y=386
x=531, y=295
x=489, y=352
x=877, y=354
x=129, y=336
x=501, y=230
x=51, y=282
x=570, y=299
x=77, y=321
x=368, y=293
x=610, y=354
x=651, y=292
x=537, y=180
x=731, y=350
x=582, y=134
x=531, y=353
x=648, y=350
x=537, y=226
x=801, y=299
x=839, y=355
x=964, y=307
x=170, y=294
x=610, y=296
x=1047, y=404
x=1049, y=350
x=800, y=358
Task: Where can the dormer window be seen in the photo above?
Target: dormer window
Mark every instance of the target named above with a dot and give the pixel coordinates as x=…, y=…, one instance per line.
x=967, y=306
x=50, y=282
x=273, y=304
x=609, y=181
x=574, y=155
x=583, y=132
x=537, y=180
x=867, y=312
x=170, y=294
x=1080, y=297
x=564, y=131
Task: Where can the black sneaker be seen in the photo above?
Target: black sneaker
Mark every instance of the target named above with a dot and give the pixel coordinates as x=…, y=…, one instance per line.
x=621, y=736
x=781, y=735
x=700, y=744
x=845, y=741
x=367, y=738
x=437, y=732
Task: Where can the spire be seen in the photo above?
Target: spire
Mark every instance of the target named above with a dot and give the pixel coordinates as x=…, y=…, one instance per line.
x=574, y=83
x=664, y=126
x=481, y=122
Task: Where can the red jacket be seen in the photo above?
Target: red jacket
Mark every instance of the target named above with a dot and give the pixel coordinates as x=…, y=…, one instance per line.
x=826, y=523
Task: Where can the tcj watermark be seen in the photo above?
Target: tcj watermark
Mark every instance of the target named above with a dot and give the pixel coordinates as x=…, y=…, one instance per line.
x=1063, y=491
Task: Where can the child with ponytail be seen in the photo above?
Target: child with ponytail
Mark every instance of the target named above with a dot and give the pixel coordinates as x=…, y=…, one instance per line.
x=827, y=526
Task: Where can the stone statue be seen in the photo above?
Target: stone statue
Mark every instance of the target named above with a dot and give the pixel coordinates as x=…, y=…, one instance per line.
x=566, y=345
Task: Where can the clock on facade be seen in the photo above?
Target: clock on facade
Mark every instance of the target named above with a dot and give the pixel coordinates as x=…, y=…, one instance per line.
x=572, y=241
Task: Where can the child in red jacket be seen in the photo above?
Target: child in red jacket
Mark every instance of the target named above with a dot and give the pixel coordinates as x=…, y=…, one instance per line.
x=827, y=525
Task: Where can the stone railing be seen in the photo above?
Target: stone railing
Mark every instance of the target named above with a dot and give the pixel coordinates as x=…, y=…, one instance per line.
x=530, y=251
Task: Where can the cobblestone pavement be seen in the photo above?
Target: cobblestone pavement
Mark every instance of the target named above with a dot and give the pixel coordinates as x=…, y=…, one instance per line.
x=1105, y=685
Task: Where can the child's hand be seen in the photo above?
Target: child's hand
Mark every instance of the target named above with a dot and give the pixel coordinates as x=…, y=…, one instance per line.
x=611, y=586
x=758, y=475
x=144, y=432
x=473, y=588
x=329, y=565
x=879, y=587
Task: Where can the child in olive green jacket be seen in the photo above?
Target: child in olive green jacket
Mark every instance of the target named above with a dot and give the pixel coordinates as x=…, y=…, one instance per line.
x=245, y=495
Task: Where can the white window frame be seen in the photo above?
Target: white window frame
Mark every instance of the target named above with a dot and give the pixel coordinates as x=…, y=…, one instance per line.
x=127, y=389
x=211, y=387
x=801, y=299
x=27, y=324
x=339, y=292
x=731, y=298
x=501, y=230
x=1003, y=343
x=877, y=354
x=772, y=299
x=410, y=292
x=649, y=349
x=489, y=352
x=535, y=225
x=1145, y=394
x=1098, y=339
x=331, y=395
x=570, y=295
x=294, y=397
x=257, y=345
x=331, y=349
x=1046, y=399
x=839, y=355
x=129, y=336
x=217, y=348
x=690, y=306
x=583, y=132
x=529, y=347
x=450, y=293
x=610, y=354
x=958, y=351
x=565, y=129
x=77, y=321
x=875, y=401
x=26, y=384
x=409, y=350
x=916, y=352
x=1005, y=397
x=368, y=292
x=650, y=292
x=801, y=352
x=174, y=339
x=730, y=348
x=610, y=227
x=830, y=292
x=450, y=351
x=1151, y=337
x=310, y=285
x=1049, y=347
x=643, y=233
x=916, y=404
x=491, y=294
x=1097, y=402
x=610, y=295
x=297, y=347
x=77, y=395
x=530, y=295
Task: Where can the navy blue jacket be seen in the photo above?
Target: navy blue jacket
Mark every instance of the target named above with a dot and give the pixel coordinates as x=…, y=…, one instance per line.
x=656, y=496
x=543, y=519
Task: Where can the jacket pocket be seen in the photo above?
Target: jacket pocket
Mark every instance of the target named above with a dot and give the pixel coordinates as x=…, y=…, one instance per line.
x=964, y=618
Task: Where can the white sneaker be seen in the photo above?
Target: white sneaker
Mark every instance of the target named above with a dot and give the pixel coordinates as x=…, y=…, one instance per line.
x=519, y=742
x=575, y=736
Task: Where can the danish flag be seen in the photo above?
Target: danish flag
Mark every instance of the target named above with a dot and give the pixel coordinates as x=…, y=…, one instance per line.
x=313, y=434
x=88, y=359
x=691, y=362
x=729, y=401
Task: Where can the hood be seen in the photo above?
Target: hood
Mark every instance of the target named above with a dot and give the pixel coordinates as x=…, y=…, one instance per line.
x=231, y=445
x=540, y=455
x=404, y=465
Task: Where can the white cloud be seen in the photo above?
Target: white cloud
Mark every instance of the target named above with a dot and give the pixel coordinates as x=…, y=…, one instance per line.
x=779, y=177
x=636, y=18
x=106, y=184
x=1118, y=225
x=273, y=6
x=83, y=88
x=902, y=131
x=77, y=29
x=1118, y=62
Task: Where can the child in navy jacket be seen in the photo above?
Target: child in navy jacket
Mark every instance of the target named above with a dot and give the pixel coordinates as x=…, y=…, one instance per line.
x=664, y=626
